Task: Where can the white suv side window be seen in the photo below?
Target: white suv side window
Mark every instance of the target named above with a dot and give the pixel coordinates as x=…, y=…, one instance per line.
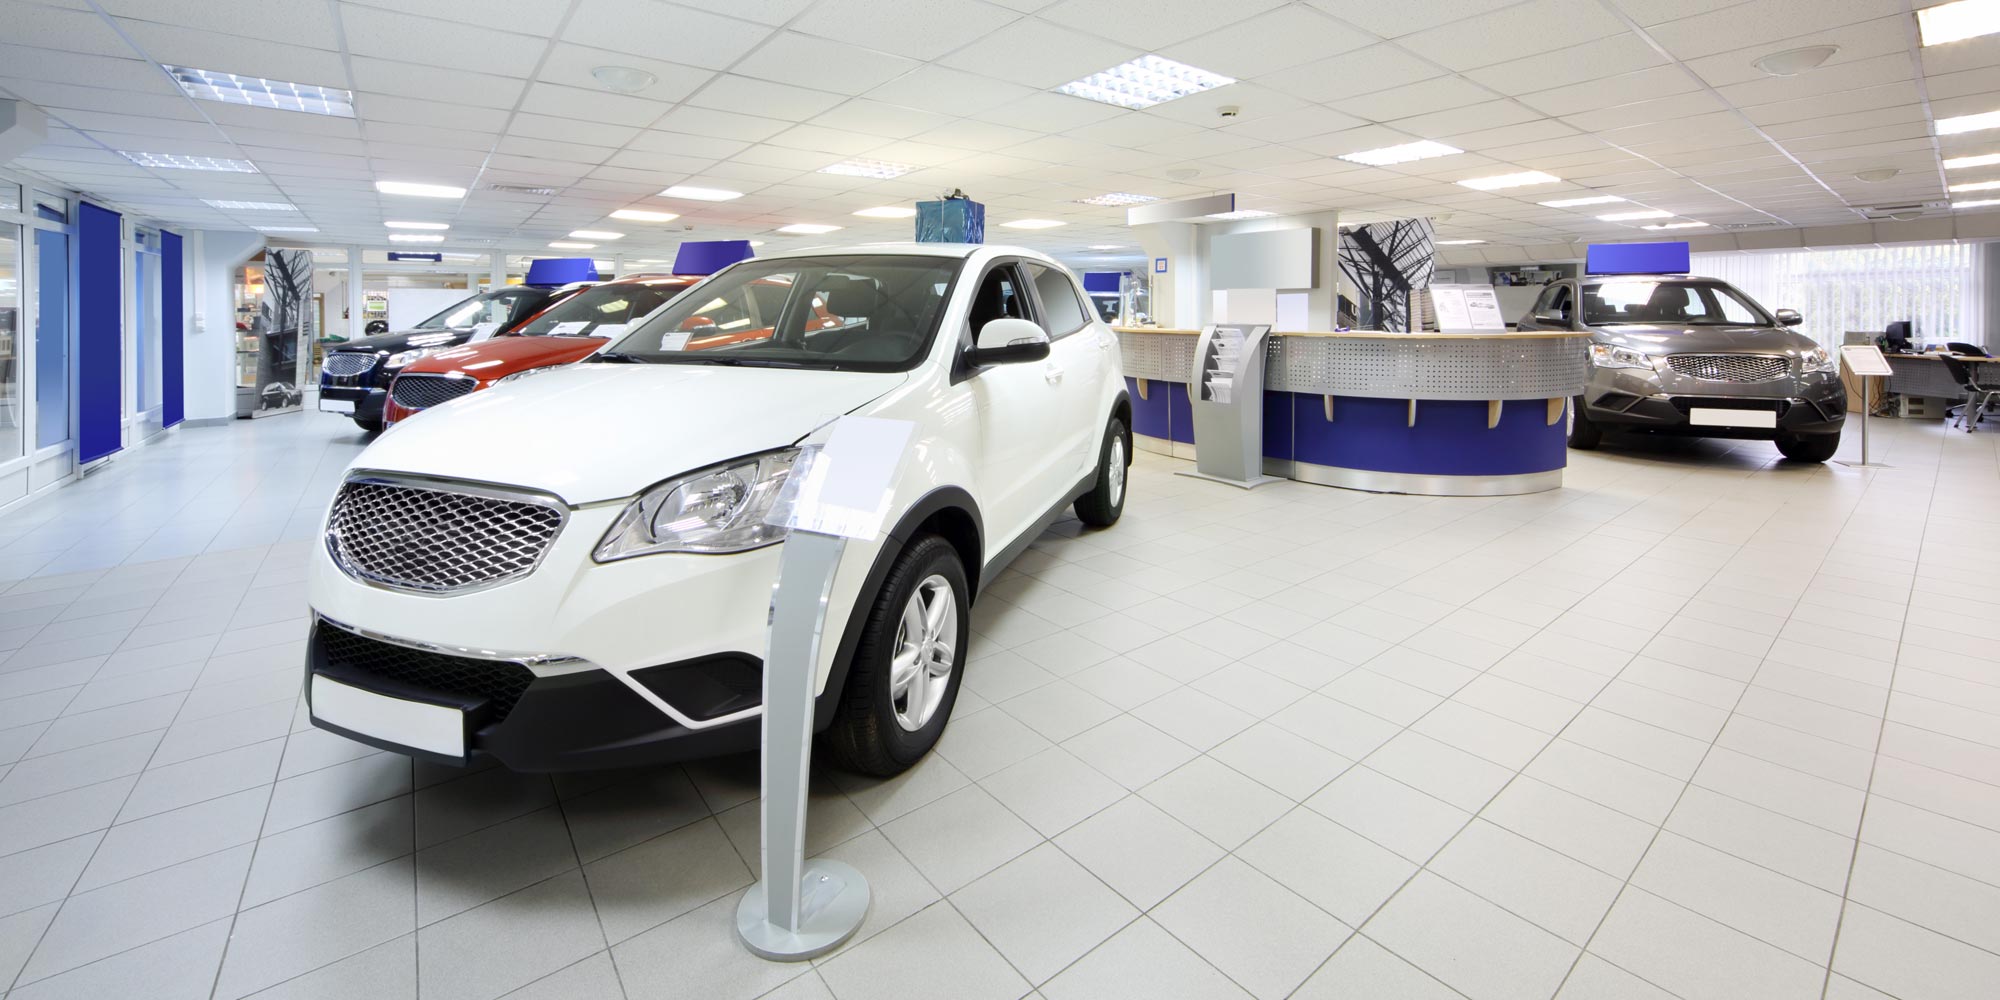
x=1065, y=313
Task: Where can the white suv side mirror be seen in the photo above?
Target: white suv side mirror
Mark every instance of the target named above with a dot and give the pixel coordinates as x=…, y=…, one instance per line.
x=1008, y=341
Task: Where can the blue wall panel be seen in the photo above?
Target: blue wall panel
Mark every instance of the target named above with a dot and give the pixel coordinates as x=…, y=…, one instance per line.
x=173, y=346
x=1451, y=437
x=1149, y=416
x=1277, y=425
x=1180, y=412
x=100, y=335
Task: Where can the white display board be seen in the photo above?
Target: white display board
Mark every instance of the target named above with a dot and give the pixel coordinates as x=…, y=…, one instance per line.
x=1865, y=359
x=1467, y=308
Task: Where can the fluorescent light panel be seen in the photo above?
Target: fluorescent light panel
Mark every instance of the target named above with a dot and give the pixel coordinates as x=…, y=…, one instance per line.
x=439, y=226
x=1034, y=224
x=568, y=245
x=643, y=215
x=1596, y=199
x=1652, y=213
x=1952, y=22
x=700, y=193
x=1107, y=246
x=596, y=234
x=1499, y=181
x=886, y=212
x=1404, y=153
x=1975, y=186
x=1458, y=243
x=1677, y=225
x=1118, y=199
x=880, y=170
x=1963, y=123
x=250, y=206
x=1963, y=162
x=807, y=229
x=257, y=92
x=1980, y=203
x=175, y=161
x=415, y=238
x=285, y=229
x=1144, y=82
x=415, y=190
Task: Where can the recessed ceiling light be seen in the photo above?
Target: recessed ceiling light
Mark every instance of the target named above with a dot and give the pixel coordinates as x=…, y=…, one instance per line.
x=1243, y=213
x=1117, y=199
x=175, y=161
x=250, y=206
x=1981, y=203
x=1951, y=22
x=1404, y=153
x=1107, y=246
x=1792, y=62
x=643, y=215
x=1599, y=199
x=414, y=238
x=1677, y=225
x=285, y=229
x=568, y=245
x=1034, y=224
x=1458, y=243
x=440, y=226
x=1499, y=181
x=700, y=193
x=419, y=190
x=880, y=170
x=886, y=212
x=596, y=234
x=1144, y=82
x=807, y=229
x=257, y=92
x=1975, y=186
x=1652, y=213
x=624, y=79
x=1963, y=162
x=1968, y=123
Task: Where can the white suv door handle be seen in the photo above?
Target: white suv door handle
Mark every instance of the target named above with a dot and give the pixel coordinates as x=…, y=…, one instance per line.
x=1053, y=374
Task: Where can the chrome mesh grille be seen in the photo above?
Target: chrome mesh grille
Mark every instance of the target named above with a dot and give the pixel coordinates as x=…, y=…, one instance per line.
x=343, y=363
x=417, y=392
x=436, y=541
x=1730, y=367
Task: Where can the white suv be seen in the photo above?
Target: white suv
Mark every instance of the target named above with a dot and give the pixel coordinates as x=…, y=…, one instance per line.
x=573, y=570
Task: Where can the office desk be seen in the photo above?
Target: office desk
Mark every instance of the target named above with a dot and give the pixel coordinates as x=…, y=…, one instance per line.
x=1924, y=375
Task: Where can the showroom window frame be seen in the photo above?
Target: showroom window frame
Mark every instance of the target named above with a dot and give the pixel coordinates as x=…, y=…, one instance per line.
x=48, y=466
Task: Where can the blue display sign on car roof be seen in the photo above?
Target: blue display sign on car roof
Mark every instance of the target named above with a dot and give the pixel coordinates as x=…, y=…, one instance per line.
x=560, y=270
x=710, y=256
x=1636, y=258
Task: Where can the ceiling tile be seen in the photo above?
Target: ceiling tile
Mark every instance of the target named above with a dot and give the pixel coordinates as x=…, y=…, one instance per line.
x=570, y=65
x=1369, y=70
x=270, y=20
x=802, y=60
x=663, y=31
x=1269, y=42
x=1041, y=55
x=1152, y=24
x=936, y=28
x=948, y=91
x=743, y=95
x=593, y=105
x=1495, y=36
x=420, y=81
x=371, y=31
x=720, y=124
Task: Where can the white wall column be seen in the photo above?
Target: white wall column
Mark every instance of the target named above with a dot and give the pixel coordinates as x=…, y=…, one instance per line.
x=357, y=319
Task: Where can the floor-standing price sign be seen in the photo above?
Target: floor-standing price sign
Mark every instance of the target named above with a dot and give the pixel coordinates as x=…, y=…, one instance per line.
x=1865, y=361
x=836, y=491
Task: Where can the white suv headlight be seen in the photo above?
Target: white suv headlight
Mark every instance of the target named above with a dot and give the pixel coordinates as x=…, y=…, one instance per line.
x=1818, y=360
x=715, y=510
x=1607, y=356
x=528, y=372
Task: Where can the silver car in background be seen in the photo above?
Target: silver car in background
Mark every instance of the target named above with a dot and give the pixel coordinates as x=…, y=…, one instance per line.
x=1694, y=357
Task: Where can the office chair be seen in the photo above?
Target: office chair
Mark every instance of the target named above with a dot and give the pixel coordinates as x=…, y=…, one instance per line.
x=1967, y=350
x=1978, y=395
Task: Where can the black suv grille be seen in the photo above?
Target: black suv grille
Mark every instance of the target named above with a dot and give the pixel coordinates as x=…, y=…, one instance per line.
x=499, y=682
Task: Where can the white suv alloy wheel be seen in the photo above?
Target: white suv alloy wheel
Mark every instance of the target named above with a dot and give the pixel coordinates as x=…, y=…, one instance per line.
x=920, y=672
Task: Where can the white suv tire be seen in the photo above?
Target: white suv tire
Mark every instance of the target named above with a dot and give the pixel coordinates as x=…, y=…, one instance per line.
x=907, y=665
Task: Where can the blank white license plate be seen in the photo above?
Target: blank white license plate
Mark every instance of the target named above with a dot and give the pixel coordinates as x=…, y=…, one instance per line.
x=412, y=724
x=337, y=406
x=1705, y=417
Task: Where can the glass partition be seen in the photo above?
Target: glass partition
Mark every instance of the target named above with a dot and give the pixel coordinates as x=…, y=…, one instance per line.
x=11, y=416
x=51, y=338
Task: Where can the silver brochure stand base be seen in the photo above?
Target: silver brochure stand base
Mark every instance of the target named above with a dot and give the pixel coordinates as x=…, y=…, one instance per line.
x=801, y=908
x=1243, y=484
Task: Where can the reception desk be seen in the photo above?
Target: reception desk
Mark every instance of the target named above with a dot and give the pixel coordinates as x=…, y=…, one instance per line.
x=1436, y=414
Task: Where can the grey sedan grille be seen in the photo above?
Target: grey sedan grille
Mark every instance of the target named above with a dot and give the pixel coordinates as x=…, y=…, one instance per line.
x=418, y=392
x=343, y=363
x=436, y=541
x=1730, y=367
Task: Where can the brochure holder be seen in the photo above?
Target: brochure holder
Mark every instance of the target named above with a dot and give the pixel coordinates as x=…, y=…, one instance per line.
x=836, y=491
x=1226, y=392
x=1865, y=361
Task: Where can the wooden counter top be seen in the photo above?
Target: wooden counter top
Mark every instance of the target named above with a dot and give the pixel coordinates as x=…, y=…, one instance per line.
x=1383, y=334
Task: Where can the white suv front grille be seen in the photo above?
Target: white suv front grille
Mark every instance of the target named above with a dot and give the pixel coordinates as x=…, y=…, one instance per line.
x=438, y=540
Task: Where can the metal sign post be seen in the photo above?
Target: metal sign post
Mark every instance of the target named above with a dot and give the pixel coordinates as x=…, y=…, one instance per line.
x=836, y=491
x=1865, y=361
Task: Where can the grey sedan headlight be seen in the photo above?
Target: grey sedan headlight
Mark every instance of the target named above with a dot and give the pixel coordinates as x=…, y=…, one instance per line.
x=528, y=372
x=1818, y=360
x=1608, y=356
x=716, y=510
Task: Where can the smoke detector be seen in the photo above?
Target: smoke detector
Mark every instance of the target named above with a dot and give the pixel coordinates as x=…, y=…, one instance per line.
x=1182, y=174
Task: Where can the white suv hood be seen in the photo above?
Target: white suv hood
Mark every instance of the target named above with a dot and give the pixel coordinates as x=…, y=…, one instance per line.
x=602, y=431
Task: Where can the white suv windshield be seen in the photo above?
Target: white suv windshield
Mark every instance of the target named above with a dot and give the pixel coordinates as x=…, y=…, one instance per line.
x=492, y=307
x=861, y=312
x=1668, y=303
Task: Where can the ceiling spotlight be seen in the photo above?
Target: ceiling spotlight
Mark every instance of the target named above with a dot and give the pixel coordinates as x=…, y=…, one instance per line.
x=1677, y=225
x=596, y=234
x=700, y=193
x=1601, y=199
x=807, y=229
x=1499, y=181
x=1144, y=82
x=880, y=170
x=1951, y=22
x=887, y=212
x=1404, y=153
x=1792, y=62
x=569, y=245
x=1117, y=199
x=624, y=79
x=1877, y=175
x=1652, y=213
x=419, y=190
x=417, y=225
x=1458, y=243
x=1034, y=224
x=175, y=161
x=642, y=215
x=414, y=238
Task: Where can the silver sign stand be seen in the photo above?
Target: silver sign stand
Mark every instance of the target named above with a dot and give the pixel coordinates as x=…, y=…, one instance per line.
x=836, y=491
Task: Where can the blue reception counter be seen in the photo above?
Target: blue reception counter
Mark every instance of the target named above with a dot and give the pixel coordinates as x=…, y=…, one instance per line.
x=1439, y=414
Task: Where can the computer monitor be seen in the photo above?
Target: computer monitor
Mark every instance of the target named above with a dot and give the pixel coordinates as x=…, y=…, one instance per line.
x=1897, y=337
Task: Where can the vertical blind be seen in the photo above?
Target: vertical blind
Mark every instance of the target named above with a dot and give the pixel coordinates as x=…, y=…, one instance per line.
x=1935, y=286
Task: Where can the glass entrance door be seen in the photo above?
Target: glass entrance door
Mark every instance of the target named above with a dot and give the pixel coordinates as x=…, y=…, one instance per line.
x=51, y=338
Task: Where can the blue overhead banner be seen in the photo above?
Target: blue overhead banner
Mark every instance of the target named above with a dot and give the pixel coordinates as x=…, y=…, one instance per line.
x=1636, y=258
x=173, y=348
x=100, y=335
x=710, y=256
x=560, y=270
x=1102, y=281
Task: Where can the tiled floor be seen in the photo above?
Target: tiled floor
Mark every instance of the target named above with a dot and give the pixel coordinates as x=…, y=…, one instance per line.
x=1697, y=725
